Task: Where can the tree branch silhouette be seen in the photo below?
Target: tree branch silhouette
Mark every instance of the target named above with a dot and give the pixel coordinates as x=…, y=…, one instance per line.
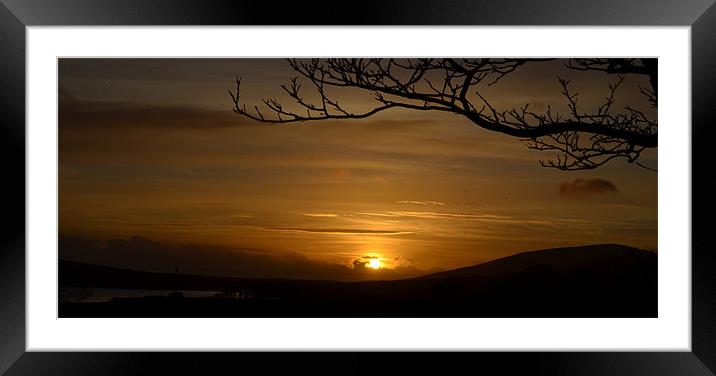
x=580, y=139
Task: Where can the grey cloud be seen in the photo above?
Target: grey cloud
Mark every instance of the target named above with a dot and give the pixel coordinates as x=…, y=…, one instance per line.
x=587, y=187
x=77, y=114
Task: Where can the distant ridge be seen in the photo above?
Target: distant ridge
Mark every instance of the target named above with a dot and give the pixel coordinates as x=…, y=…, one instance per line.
x=603, y=280
x=565, y=259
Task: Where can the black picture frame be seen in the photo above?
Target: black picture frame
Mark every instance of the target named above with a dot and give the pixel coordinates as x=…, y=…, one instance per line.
x=16, y=15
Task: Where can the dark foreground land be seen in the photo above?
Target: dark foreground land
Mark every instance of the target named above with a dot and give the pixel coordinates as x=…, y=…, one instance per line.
x=592, y=281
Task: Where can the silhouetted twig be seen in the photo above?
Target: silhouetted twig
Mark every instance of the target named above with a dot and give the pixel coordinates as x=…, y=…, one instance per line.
x=581, y=140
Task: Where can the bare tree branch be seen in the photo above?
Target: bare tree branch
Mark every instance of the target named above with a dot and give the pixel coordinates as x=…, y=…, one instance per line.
x=581, y=140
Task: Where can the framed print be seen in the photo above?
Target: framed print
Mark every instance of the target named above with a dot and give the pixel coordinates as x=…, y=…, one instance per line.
x=482, y=178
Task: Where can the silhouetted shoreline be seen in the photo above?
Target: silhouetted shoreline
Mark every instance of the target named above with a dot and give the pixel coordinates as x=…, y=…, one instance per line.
x=591, y=281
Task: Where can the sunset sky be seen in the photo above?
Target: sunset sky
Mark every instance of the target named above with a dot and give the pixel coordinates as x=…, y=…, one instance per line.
x=150, y=149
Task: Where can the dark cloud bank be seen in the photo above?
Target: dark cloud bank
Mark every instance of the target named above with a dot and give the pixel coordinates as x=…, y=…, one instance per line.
x=78, y=114
x=140, y=253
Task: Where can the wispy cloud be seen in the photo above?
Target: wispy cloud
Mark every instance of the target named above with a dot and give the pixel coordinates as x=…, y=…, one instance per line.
x=326, y=215
x=412, y=202
x=247, y=216
x=377, y=214
x=555, y=222
x=438, y=215
x=195, y=225
x=339, y=231
x=170, y=224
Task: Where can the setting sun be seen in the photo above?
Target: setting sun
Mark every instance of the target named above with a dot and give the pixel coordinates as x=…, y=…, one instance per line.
x=374, y=263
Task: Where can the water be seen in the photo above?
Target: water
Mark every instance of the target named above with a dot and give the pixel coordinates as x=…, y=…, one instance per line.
x=105, y=295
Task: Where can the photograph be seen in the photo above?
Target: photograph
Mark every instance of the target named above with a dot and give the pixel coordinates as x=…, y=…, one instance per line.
x=357, y=187
x=193, y=184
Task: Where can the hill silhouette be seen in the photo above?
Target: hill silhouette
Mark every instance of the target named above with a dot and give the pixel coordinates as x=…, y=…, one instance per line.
x=606, y=280
x=565, y=260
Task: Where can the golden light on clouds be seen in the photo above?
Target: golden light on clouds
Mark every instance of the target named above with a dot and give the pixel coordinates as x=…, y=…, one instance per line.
x=163, y=157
